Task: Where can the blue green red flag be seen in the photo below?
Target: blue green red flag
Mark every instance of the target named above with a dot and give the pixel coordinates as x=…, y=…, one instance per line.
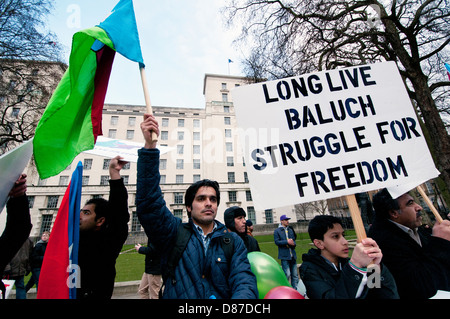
x=72, y=119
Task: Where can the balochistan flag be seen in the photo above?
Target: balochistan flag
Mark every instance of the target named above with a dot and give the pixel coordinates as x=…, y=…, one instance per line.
x=60, y=275
x=72, y=120
x=447, y=66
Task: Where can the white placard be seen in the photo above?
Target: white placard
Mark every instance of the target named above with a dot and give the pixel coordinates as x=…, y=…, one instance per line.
x=110, y=148
x=330, y=134
x=12, y=164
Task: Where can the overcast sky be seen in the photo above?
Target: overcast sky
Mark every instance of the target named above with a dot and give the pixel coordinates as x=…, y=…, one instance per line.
x=181, y=41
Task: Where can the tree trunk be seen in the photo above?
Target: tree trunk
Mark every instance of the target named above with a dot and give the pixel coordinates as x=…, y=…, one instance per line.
x=435, y=126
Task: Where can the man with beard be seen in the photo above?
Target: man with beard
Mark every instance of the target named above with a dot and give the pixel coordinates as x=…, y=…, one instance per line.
x=234, y=218
x=418, y=260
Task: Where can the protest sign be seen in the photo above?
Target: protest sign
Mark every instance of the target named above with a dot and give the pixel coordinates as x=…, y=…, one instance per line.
x=110, y=148
x=12, y=164
x=330, y=134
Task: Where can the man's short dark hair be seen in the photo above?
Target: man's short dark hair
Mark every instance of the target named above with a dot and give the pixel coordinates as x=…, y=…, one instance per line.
x=192, y=190
x=382, y=203
x=320, y=224
x=101, y=207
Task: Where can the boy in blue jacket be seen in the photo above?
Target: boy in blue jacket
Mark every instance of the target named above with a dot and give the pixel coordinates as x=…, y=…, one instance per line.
x=203, y=270
x=328, y=273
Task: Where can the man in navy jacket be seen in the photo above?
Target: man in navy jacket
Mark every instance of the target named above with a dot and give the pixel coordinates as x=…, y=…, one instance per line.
x=203, y=270
x=284, y=237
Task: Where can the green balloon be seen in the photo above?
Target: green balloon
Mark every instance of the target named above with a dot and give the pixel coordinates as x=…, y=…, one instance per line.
x=267, y=271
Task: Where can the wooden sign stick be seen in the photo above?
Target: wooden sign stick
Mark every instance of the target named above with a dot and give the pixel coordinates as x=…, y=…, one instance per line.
x=356, y=218
x=359, y=227
x=430, y=204
x=147, y=98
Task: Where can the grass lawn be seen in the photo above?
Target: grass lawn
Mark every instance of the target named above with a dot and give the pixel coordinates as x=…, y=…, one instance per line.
x=130, y=264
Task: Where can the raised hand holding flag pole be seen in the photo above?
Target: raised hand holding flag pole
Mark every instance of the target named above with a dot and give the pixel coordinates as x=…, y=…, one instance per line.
x=72, y=119
x=119, y=33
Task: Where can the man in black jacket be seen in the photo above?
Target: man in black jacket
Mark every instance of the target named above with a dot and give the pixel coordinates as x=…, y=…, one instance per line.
x=103, y=231
x=420, y=263
x=152, y=278
x=18, y=225
x=234, y=219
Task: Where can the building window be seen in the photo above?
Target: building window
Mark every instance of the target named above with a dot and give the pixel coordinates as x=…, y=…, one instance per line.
x=165, y=122
x=114, y=120
x=130, y=134
x=245, y=177
x=106, y=162
x=248, y=196
x=196, y=163
x=231, y=177
x=251, y=214
x=196, y=136
x=269, y=216
x=227, y=120
x=196, y=123
x=226, y=109
x=135, y=224
x=46, y=224
x=180, y=122
x=178, y=198
x=104, y=180
x=227, y=132
x=30, y=201
x=163, y=163
x=162, y=179
x=85, y=180
x=179, y=179
x=196, y=178
x=232, y=196
x=63, y=180
x=230, y=161
x=178, y=213
x=196, y=149
x=131, y=121
x=112, y=133
x=87, y=164
x=180, y=163
x=224, y=97
x=164, y=135
x=224, y=86
x=180, y=136
x=229, y=147
x=180, y=149
x=125, y=179
x=52, y=201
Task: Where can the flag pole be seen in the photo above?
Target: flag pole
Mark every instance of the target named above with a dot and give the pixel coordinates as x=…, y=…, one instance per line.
x=360, y=231
x=147, y=97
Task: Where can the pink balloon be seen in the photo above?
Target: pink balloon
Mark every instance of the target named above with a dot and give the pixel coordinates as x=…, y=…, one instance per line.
x=283, y=292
